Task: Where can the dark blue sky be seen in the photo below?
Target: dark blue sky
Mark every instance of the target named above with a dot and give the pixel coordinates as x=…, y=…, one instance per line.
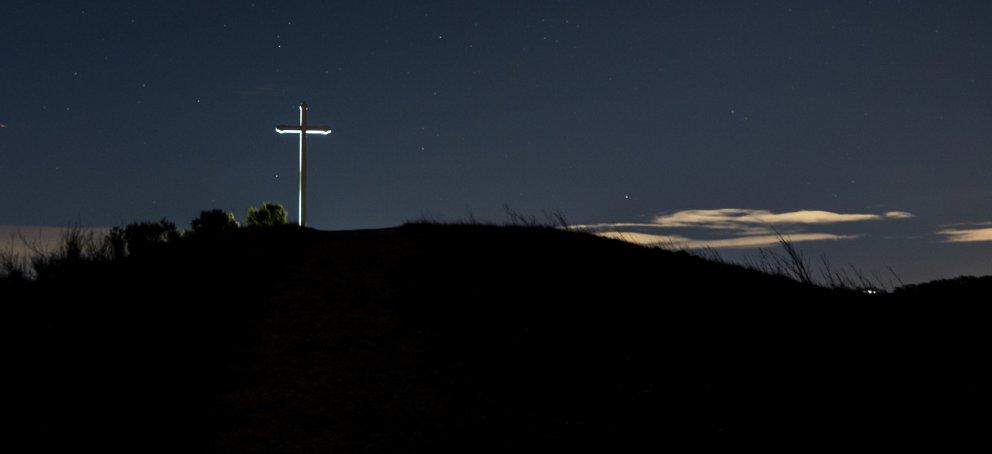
x=610, y=112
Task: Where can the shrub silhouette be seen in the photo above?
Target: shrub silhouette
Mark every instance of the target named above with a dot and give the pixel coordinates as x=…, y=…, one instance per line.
x=76, y=249
x=12, y=265
x=267, y=215
x=214, y=221
x=141, y=237
x=115, y=244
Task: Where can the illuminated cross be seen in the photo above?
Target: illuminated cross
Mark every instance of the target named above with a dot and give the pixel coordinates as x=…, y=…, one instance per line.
x=303, y=129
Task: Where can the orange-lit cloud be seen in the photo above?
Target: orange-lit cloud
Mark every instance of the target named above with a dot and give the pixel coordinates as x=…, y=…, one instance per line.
x=749, y=241
x=744, y=219
x=748, y=227
x=647, y=239
x=740, y=218
x=965, y=235
x=899, y=215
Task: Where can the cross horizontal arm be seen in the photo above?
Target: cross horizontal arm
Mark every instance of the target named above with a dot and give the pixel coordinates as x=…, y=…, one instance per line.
x=322, y=130
x=293, y=129
x=283, y=129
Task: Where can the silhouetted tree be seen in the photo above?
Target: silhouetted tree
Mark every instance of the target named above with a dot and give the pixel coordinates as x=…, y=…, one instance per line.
x=141, y=237
x=214, y=221
x=267, y=215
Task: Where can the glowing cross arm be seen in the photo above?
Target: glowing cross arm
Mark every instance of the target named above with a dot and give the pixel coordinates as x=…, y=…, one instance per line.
x=293, y=129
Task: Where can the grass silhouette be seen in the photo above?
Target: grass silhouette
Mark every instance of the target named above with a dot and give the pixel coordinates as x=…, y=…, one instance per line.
x=475, y=337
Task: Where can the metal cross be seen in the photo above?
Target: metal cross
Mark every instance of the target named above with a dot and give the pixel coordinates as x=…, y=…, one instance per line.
x=303, y=129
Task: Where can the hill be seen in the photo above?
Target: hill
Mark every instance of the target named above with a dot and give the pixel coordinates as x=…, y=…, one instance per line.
x=468, y=338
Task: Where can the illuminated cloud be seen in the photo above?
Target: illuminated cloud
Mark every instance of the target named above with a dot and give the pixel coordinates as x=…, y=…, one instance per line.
x=966, y=235
x=749, y=220
x=749, y=227
x=742, y=219
x=899, y=215
x=748, y=241
x=648, y=239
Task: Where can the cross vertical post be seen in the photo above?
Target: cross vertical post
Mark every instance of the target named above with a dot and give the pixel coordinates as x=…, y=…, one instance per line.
x=302, y=181
x=303, y=129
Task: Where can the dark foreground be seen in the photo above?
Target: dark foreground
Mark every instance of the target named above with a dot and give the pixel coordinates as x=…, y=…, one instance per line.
x=472, y=338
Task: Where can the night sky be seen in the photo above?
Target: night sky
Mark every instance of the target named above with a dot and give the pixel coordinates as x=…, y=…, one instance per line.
x=862, y=128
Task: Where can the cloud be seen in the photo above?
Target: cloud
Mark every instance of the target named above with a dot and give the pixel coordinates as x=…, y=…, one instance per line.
x=647, y=239
x=744, y=219
x=749, y=220
x=740, y=242
x=613, y=225
x=746, y=228
x=899, y=215
x=966, y=235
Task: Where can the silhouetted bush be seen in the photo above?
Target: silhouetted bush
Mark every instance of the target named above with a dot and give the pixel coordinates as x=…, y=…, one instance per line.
x=214, y=221
x=267, y=215
x=76, y=248
x=141, y=237
x=12, y=265
x=115, y=244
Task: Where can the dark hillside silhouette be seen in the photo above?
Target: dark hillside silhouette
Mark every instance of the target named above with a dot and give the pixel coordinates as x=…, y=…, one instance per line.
x=469, y=338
